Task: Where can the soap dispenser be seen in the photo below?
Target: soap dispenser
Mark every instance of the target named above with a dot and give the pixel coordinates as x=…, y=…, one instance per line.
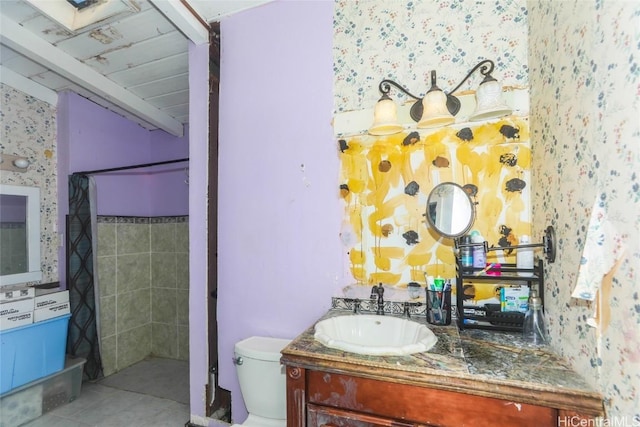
x=534, y=330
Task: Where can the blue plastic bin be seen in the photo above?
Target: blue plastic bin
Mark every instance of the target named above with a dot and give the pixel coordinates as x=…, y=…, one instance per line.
x=30, y=352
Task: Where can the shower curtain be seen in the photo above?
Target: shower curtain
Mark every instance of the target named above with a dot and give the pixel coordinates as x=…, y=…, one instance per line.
x=83, y=339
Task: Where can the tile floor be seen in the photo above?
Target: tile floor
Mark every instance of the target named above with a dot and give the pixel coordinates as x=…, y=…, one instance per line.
x=151, y=393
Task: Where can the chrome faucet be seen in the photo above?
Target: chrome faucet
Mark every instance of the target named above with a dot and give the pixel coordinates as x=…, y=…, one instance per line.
x=377, y=292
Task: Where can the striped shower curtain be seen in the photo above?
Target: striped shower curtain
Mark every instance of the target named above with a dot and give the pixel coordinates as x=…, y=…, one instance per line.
x=83, y=339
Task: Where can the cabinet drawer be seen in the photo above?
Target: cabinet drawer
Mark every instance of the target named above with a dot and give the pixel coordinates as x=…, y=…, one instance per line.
x=407, y=404
x=320, y=416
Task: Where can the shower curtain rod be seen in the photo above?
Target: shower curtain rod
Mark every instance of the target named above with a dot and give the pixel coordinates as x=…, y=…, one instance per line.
x=146, y=165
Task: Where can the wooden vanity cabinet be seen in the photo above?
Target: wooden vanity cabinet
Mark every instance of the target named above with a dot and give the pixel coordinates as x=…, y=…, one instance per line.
x=324, y=398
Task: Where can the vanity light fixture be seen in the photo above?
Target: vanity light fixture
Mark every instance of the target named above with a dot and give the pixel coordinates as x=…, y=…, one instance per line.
x=14, y=163
x=21, y=163
x=438, y=108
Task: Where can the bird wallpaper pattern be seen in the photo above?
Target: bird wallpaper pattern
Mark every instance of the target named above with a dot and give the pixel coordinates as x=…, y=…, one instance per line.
x=386, y=182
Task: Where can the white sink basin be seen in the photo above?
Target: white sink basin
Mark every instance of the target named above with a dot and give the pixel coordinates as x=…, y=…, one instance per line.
x=374, y=335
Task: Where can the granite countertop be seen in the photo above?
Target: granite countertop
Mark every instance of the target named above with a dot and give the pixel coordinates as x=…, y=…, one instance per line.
x=490, y=363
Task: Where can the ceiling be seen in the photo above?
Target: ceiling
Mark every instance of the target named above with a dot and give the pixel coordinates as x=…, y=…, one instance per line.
x=130, y=56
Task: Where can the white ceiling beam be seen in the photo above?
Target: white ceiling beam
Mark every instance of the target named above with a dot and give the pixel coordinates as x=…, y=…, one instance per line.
x=184, y=20
x=215, y=10
x=28, y=86
x=25, y=42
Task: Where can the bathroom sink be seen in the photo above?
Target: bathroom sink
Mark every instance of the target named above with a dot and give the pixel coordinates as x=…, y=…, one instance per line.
x=374, y=335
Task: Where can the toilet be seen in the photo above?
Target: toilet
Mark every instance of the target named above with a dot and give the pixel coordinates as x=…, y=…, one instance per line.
x=262, y=380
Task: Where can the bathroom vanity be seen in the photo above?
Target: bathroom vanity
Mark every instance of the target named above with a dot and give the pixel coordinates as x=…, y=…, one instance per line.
x=469, y=378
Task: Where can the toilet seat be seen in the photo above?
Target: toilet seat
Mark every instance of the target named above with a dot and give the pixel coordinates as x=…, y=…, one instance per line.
x=256, y=421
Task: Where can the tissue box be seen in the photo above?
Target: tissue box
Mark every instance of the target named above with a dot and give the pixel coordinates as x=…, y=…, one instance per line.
x=514, y=298
x=48, y=298
x=9, y=293
x=32, y=351
x=12, y=307
x=14, y=321
x=51, y=311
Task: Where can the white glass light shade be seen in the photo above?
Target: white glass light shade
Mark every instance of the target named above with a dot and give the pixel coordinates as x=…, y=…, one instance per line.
x=434, y=110
x=385, y=118
x=489, y=103
x=21, y=163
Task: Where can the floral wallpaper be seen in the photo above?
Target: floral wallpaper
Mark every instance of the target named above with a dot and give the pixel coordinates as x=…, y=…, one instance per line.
x=584, y=136
x=28, y=129
x=585, y=131
x=405, y=40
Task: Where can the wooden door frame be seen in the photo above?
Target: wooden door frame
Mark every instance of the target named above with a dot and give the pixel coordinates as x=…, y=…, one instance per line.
x=222, y=397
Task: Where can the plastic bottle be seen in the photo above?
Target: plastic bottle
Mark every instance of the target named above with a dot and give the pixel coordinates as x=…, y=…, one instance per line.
x=479, y=256
x=466, y=255
x=534, y=329
x=524, y=257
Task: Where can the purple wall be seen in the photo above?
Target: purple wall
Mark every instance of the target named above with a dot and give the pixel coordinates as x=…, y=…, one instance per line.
x=91, y=137
x=99, y=139
x=279, y=255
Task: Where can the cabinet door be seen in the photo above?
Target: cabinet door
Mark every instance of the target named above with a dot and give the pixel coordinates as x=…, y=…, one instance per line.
x=415, y=405
x=322, y=416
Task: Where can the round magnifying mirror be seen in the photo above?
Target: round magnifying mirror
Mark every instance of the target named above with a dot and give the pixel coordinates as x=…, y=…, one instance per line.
x=450, y=210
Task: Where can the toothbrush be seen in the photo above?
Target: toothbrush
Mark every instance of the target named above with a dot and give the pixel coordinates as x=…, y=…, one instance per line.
x=484, y=270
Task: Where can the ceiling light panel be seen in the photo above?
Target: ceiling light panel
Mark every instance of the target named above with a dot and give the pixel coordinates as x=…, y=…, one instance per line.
x=73, y=19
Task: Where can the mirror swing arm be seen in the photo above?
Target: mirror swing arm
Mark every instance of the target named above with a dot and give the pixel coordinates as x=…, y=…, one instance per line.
x=548, y=245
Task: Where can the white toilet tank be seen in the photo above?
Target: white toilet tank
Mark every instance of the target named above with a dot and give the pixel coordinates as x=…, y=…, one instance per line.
x=262, y=377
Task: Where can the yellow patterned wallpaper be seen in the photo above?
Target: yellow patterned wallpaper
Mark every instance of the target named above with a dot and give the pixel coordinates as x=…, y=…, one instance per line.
x=385, y=183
